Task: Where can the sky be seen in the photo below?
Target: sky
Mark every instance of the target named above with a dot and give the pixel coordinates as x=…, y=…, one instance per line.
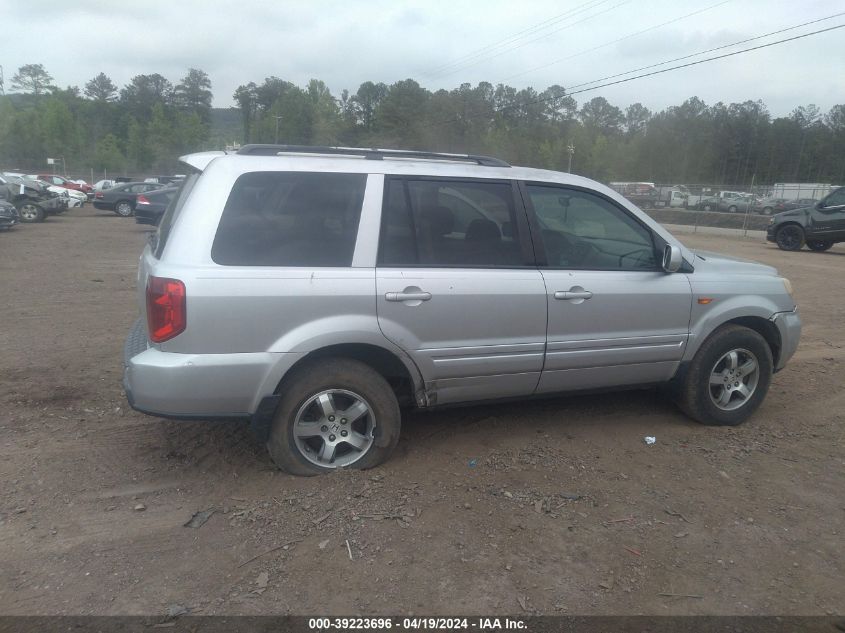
x=442, y=44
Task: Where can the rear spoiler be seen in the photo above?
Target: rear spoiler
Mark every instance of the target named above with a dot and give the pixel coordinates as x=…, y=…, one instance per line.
x=200, y=160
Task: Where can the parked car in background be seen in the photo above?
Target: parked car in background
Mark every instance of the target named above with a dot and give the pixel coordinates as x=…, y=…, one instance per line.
x=642, y=194
x=674, y=196
x=122, y=198
x=800, y=203
x=166, y=180
x=819, y=226
x=314, y=291
x=8, y=215
x=33, y=199
x=726, y=201
x=102, y=185
x=150, y=206
x=770, y=206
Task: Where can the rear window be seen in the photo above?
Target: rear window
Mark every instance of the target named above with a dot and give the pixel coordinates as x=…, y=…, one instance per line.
x=290, y=219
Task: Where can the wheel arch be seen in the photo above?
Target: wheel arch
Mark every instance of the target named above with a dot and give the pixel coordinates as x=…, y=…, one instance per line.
x=397, y=369
x=765, y=328
x=760, y=324
x=791, y=223
x=387, y=363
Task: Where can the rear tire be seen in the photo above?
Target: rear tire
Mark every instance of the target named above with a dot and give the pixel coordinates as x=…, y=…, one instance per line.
x=732, y=208
x=790, y=237
x=124, y=209
x=819, y=245
x=728, y=378
x=309, y=427
x=767, y=210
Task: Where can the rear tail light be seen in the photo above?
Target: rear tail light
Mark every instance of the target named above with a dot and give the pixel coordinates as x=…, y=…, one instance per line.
x=166, y=316
x=141, y=199
x=99, y=194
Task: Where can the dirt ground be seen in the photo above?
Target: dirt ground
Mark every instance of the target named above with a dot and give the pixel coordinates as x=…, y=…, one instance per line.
x=550, y=507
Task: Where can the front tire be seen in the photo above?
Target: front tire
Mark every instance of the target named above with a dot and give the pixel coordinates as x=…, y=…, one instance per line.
x=790, y=237
x=732, y=208
x=728, y=378
x=30, y=212
x=123, y=209
x=334, y=413
x=819, y=246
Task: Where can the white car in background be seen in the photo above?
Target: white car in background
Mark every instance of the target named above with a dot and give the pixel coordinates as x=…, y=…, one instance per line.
x=102, y=185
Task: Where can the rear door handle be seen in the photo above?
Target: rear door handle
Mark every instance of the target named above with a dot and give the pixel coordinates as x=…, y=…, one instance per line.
x=568, y=295
x=407, y=296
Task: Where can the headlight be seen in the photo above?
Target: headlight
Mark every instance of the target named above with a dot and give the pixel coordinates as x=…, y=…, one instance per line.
x=787, y=285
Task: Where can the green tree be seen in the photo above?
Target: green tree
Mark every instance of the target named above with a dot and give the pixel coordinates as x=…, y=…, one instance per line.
x=32, y=78
x=101, y=88
x=193, y=93
x=400, y=114
x=245, y=97
x=138, y=150
x=142, y=93
x=366, y=101
x=107, y=155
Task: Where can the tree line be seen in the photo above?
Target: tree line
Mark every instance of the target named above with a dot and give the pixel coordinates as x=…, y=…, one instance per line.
x=140, y=127
x=147, y=123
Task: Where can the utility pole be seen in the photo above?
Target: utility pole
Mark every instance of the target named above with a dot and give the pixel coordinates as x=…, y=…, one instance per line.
x=278, y=118
x=570, y=149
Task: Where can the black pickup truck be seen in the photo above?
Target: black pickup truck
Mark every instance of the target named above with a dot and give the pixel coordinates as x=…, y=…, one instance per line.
x=819, y=226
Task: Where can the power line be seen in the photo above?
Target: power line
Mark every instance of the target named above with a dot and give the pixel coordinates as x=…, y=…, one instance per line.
x=655, y=72
x=710, y=59
x=536, y=39
x=616, y=41
x=517, y=36
x=711, y=50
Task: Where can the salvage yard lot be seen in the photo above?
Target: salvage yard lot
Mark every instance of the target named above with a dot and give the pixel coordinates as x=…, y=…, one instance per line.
x=551, y=506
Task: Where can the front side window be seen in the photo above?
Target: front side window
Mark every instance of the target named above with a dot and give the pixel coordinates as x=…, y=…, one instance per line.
x=290, y=219
x=449, y=224
x=582, y=230
x=835, y=199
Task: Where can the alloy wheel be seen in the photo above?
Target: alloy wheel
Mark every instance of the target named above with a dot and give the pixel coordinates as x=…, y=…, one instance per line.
x=334, y=428
x=734, y=379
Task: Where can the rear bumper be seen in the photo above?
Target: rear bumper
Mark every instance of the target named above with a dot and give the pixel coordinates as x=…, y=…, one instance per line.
x=194, y=386
x=789, y=327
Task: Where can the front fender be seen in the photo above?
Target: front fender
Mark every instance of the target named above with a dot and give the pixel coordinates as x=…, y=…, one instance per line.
x=704, y=322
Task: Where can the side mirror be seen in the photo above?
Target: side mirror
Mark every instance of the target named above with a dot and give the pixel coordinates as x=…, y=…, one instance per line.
x=672, y=258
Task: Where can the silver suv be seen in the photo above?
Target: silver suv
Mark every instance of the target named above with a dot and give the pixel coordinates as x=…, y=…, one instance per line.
x=316, y=291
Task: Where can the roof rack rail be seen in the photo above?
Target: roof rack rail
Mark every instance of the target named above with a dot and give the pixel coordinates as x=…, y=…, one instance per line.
x=368, y=153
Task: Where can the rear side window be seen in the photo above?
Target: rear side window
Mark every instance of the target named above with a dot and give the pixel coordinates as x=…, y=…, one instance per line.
x=290, y=219
x=449, y=223
x=171, y=213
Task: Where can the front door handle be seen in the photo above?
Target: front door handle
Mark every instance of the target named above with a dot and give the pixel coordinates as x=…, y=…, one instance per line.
x=574, y=293
x=408, y=296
